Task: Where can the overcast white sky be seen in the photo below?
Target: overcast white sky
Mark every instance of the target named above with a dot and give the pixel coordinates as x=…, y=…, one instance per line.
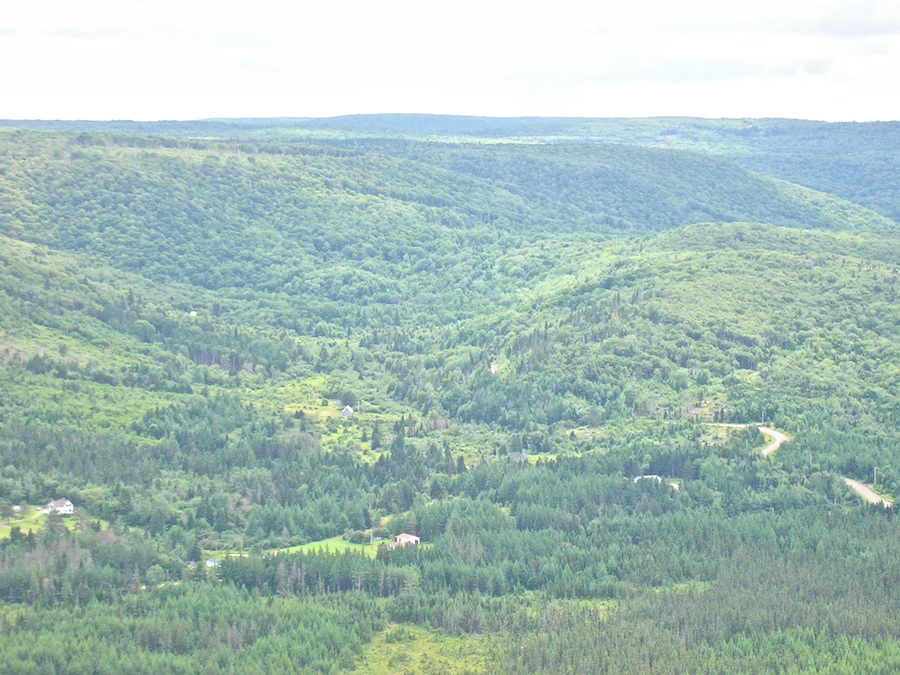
x=182, y=59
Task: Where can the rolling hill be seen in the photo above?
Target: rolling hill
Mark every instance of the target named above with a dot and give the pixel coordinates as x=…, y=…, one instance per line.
x=187, y=308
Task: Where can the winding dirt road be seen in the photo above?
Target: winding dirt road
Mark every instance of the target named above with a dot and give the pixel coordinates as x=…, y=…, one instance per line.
x=866, y=493
x=777, y=438
x=11, y=523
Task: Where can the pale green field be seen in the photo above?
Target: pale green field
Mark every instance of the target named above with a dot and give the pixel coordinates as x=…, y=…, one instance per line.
x=24, y=520
x=31, y=520
x=332, y=545
x=415, y=651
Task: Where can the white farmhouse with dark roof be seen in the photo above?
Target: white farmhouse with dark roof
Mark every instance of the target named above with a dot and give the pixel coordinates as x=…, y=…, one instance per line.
x=61, y=506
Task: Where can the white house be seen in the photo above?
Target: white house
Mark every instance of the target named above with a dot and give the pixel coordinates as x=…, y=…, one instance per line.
x=347, y=412
x=404, y=539
x=61, y=506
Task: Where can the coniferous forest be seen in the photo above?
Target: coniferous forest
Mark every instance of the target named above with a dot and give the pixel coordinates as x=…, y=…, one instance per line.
x=633, y=384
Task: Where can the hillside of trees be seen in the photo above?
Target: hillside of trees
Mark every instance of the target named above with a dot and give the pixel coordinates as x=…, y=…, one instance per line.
x=563, y=358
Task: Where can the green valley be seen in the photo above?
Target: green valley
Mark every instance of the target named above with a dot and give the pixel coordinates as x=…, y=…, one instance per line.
x=252, y=352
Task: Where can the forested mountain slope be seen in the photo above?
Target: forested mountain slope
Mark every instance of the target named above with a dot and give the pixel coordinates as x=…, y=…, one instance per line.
x=733, y=321
x=641, y=188
x=856, y=161
x=183, y=320
x=326, y=244
x=859, y=162
x=343, y=239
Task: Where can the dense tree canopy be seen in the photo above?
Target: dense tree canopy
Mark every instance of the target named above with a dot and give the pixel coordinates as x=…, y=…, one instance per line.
x=561, y=362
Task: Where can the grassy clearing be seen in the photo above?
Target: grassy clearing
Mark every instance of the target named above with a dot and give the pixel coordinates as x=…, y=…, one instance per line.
x=307, y=395
x=415, y=651
x=333, y=545
x=27, y=520
x=32, y=519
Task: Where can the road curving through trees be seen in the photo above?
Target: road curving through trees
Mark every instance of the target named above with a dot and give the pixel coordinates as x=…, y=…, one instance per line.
x=867, y=493
x=776, y=439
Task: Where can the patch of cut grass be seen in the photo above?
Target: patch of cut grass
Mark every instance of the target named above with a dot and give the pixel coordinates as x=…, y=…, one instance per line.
x=332, y=545
x=415, y=651
x=27, y=526
x=32, y=519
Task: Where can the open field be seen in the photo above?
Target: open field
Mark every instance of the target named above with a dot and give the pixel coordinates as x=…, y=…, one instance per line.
x=415, y=651
x=33, y=519
x=333, y=545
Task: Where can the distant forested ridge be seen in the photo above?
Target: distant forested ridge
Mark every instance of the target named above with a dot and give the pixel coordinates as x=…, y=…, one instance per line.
x=853, y=160
x=252, y=351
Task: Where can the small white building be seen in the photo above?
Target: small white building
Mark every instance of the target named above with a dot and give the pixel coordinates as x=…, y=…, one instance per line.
x=404, y=539
x=61, y=506
x=347, y=412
